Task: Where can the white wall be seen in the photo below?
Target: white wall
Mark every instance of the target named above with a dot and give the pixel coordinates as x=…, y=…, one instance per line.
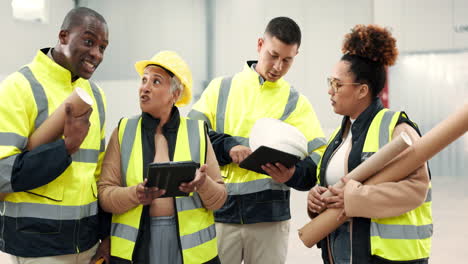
x=239, y=23
x=425, y=25
x=429, y=87
x=21, y=40
x=155, y=25
x=150, y=26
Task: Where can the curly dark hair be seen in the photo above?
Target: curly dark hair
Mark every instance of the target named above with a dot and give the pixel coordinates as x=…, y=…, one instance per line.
x=369, y=50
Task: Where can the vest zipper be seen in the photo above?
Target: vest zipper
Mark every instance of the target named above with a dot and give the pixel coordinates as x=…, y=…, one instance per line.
x=78, y=221
x=2, y=230
x=330, y=255
x=239, y=202
x=351, y=240
x=178, y=230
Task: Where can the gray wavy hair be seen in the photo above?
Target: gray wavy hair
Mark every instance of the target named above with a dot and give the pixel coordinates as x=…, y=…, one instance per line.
x=176, y=84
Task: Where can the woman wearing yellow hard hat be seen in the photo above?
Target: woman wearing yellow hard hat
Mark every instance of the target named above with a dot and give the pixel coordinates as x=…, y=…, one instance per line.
x=147, y=225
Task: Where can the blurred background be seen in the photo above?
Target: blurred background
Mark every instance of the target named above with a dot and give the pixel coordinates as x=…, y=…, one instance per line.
x=429, y=80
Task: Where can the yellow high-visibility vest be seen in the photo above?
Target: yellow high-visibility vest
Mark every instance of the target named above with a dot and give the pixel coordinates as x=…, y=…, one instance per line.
x=405, y=237
x=232, y=105
x=196, y=227
x=29, y=96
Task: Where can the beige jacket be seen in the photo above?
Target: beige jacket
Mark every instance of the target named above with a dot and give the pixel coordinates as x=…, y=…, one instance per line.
x=388, y=199
x=117, y=199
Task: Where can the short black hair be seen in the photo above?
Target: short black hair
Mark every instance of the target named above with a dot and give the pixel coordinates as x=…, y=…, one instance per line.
x=75, y=17
x=284, y=29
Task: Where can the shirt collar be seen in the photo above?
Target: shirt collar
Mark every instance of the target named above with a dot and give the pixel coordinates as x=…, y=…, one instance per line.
x=250, y=69
x=252, y=66
x=365, y=118
x=52, y=69
x=150, y=123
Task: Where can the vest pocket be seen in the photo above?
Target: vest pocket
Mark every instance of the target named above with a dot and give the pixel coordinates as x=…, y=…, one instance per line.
x=38, y=226
x=42, y=213
x=94, y=189
x=52, y=191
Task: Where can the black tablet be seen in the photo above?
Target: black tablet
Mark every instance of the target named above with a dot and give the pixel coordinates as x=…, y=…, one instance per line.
x=169, y=175
x=264, y=155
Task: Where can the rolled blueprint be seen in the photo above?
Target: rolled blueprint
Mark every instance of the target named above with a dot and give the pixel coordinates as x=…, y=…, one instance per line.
x=377, y=161
x=52, y=128
x=409, y=160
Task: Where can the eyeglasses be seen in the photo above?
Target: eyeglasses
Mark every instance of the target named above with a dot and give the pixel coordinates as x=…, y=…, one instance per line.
x=335, y=84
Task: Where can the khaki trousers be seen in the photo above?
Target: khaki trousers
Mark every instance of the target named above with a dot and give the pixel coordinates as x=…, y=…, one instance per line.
x=79, y=258
x=253, y=243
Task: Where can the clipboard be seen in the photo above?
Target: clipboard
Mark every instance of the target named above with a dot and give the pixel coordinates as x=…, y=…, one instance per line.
x=263, y=155
x=169, y=175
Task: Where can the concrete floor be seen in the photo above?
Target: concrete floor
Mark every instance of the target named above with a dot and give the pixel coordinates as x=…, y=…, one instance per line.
x=450, y=213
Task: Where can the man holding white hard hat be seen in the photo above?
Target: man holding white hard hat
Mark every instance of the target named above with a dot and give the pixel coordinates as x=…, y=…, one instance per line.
x=253, y=224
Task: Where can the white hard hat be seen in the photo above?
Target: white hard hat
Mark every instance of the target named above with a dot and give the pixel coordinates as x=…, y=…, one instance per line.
x=279, y=135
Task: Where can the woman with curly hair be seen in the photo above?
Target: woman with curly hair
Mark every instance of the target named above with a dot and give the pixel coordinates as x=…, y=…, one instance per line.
x=389, y=222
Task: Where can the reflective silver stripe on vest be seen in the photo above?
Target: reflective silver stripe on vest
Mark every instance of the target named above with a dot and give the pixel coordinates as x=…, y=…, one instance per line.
x=197, y=115
x=198, y=238
x=194, y=139
x=384, y=136
x=102, y=148
x=242, y=141
x=49, y=211
x=291, y=104
x=366, y=155
x=39, y=96
x=315, y=157
x=189, y=202
x=100, y=104
x=241, y=188
x=429, y=196
x=13, y=139
x=315, y=144
x=222, y=103
x=124, y=231
x=6, y=169
x=127, y=145
x=86, y=155
x=401, y=231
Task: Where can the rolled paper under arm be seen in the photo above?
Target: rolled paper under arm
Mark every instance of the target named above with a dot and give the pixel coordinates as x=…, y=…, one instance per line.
x=369, y=167
x=377, y=161
x=52, y=128
x=422, y=150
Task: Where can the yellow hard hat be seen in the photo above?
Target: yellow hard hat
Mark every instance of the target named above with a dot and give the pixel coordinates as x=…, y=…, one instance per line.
x=172, y=62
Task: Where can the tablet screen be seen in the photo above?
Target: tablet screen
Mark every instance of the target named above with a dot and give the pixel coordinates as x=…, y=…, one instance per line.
x=169, y=175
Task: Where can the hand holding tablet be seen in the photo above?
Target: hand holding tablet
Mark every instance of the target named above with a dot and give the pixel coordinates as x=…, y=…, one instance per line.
x=170, y=175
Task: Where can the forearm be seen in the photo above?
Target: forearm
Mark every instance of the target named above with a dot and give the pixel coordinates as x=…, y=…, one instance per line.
x=117, y=199
x=40, y=166
x=213, y=194
x=113, y=197
x=222, y=144
x=213, y=191
x=105, y=220
x=304, y=176
x=386, y=199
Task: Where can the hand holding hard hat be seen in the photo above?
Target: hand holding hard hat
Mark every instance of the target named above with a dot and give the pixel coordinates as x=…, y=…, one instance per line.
x=273, y=141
